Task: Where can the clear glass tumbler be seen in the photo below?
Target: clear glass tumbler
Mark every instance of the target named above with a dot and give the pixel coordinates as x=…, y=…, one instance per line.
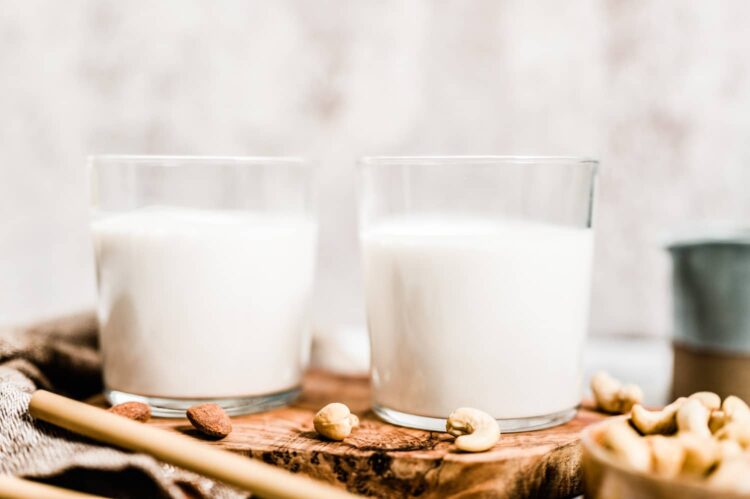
x=205, y=270
x=477, y=283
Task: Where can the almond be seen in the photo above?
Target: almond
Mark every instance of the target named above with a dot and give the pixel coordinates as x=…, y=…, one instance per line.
x=210, y=419
x=137, y=411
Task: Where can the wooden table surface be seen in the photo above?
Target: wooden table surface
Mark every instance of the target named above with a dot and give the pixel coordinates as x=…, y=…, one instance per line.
x=380, y=459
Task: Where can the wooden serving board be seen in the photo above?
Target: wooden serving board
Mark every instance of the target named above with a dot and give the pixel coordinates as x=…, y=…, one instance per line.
x=383, y=460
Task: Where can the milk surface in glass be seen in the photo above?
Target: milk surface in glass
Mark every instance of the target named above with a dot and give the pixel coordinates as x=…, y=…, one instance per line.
x=203, y=303
x=476, y=312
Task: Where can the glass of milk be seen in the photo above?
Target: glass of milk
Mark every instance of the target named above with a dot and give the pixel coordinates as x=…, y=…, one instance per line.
x=477, y=282
x=205, y=269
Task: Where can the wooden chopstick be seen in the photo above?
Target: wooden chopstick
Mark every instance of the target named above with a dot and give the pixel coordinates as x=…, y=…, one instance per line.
x=179, y=450
x=17, y=488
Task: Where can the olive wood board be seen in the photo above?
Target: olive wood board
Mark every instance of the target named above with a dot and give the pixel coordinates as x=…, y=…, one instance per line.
x=383, y=460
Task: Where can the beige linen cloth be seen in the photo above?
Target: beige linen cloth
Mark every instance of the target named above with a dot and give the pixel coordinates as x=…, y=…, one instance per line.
x=62, y=356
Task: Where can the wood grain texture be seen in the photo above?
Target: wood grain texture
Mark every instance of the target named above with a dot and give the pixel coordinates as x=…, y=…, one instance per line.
x=380, y=459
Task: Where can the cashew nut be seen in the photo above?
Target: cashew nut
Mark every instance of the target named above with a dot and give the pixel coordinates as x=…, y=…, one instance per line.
x=701, y=452
x=667, y=455
x=737, y=431
x=732, y=475
x=692, y=417
x=729, y=449
x=475, y=431
x=651, y=422
x=735, y=408
x=710, y=400
x=627, y=446
x=612, y=396
x=335, y=421
x=717, y=420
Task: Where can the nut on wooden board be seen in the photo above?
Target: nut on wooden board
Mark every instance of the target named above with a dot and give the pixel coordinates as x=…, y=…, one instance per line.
x=612, y=396
x=210, y=419
x=335, y=421
x=137, y=411
x=475, y=430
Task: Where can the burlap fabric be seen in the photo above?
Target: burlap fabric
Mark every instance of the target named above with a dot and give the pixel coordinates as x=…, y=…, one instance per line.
x=62, y=356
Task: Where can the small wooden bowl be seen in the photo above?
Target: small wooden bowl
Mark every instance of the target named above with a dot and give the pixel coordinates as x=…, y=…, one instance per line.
x=606, y=478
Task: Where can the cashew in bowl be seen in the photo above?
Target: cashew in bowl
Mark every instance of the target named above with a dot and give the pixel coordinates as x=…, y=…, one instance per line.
x=735, y=409
x=627, y=446
x=653, y=422
x=710, y=400
x=667, y=455
x=729, y=449
x=692, y=417
x=475, y=431
x=701, y=453
x=736, y=431
x=335, y=421
x=717, y=420
x=732, y=475
x=612, y=396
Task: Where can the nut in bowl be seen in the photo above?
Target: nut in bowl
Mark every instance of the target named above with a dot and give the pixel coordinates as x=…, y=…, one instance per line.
x=643, y=456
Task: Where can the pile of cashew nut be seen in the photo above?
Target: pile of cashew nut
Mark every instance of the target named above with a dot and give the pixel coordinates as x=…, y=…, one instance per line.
x=475, y=431
x=699, y=436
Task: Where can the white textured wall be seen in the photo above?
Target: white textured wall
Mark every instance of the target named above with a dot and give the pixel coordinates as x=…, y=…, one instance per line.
x=658, y=89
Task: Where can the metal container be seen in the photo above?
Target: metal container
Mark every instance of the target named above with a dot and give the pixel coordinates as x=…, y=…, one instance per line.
x=711, y=286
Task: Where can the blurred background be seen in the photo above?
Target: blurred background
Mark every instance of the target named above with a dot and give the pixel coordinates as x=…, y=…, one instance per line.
x=658, y=90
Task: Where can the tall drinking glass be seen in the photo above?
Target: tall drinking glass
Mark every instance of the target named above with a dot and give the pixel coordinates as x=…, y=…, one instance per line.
x=477, y=283
x=205, y=269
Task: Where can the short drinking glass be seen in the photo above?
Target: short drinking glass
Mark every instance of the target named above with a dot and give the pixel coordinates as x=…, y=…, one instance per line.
x=477, y=283
x=205, y=269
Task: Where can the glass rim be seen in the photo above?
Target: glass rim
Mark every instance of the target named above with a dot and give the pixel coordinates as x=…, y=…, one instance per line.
x=472, y=160
x=173, y=161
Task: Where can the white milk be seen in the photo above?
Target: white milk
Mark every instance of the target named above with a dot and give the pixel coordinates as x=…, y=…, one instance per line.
x=203, y=304
x=477, y=313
